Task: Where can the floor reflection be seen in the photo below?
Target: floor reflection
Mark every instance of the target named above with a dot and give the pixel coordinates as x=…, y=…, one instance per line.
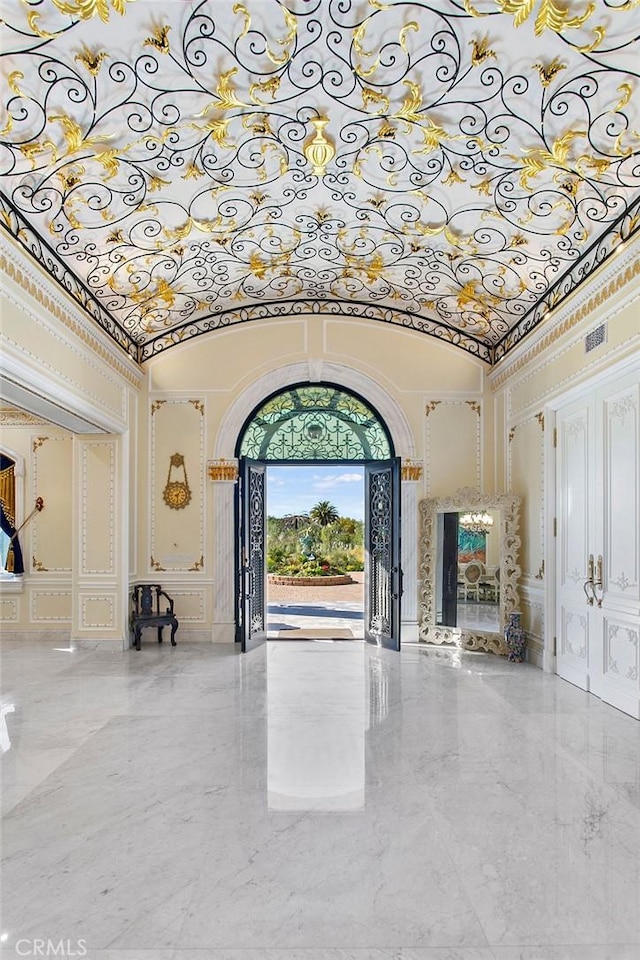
x=317, y=710
x=479, y=616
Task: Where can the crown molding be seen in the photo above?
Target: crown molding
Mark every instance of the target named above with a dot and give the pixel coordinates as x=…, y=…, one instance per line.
x=613, y=277
x=31, y=289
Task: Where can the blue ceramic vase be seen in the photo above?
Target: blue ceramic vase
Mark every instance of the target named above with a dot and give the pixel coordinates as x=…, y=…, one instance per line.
x=514, y=638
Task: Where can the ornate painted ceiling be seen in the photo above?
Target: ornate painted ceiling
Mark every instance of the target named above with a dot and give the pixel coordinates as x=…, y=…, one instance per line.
x=456, y=167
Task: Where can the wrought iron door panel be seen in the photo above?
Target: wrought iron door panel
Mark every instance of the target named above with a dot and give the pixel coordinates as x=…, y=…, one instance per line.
x=383, y=575
x=254, y=544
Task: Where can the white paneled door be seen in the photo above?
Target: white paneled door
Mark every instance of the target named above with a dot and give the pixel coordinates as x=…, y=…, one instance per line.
x=598, y=542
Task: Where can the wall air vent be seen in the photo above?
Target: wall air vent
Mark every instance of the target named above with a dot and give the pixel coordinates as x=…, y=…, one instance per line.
x=595, y=338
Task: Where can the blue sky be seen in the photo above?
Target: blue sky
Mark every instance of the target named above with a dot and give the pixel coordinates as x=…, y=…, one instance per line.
x=297, y=489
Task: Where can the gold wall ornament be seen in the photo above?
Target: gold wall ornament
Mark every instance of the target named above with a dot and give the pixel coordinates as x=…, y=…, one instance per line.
x=223, y=469
x=318, y=150
x=176, y=492
x=412, y=469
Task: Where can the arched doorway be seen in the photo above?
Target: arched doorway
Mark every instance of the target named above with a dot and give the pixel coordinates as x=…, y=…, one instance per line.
x=319, y=423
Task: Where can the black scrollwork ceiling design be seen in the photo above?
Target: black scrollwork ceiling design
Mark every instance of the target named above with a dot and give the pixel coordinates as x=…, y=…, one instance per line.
x=456, y=167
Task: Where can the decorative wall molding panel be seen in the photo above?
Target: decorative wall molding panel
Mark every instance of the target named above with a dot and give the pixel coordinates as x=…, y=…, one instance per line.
x=98, y=506
x=621, y=412
x=177, y=536
x=98, y=612
x=533, y=620
x=50, y=606
x=50, y=531
x=9, y=610
x=190, y=605
x=525, y=476
x=454, y=426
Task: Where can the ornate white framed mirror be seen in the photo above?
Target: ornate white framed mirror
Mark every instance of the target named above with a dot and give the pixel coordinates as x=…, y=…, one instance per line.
x=468, y=567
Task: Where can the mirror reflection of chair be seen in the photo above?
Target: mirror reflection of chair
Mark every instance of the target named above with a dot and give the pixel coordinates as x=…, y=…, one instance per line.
x=471, y=578
x=147, y=612
x=491, y=585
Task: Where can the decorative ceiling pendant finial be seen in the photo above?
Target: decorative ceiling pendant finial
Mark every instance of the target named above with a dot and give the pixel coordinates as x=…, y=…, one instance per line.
x=318, y=150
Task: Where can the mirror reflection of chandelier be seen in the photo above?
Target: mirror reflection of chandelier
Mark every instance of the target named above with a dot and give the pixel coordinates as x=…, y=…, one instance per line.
x=477, y=522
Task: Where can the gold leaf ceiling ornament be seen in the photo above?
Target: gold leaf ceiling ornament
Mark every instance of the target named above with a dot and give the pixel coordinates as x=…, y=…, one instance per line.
x=33, y=21
x=481, y=51
x=318, y=149
x=86, y=9
x=159, y=39
x=91, y=59
x=551, y=14
x=547, y=71
x=498, y=154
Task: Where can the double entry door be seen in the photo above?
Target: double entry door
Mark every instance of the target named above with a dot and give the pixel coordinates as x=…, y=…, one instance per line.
x=383, y=576
x=598, y=541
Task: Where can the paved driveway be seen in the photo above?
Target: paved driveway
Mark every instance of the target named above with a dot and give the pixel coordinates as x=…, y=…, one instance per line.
x=316, y=608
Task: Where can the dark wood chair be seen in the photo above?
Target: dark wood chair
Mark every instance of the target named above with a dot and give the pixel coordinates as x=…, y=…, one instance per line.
x=148, y=610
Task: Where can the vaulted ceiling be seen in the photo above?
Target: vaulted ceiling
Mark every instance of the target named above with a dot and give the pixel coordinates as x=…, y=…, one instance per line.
x=455, y=167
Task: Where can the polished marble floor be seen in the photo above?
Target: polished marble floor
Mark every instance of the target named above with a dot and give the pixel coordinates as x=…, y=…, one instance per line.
x=478, y=616
x=313, y=801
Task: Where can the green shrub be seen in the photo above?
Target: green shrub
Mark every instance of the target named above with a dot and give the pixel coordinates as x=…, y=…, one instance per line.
x=301, y=566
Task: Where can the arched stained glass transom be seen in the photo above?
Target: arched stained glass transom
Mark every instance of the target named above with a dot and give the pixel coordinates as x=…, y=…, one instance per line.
x=315, y=422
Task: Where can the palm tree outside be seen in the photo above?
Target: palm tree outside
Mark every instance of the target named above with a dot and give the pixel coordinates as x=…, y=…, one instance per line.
x=324, y=513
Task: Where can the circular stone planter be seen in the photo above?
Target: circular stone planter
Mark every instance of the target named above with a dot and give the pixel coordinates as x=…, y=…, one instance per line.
x=336, y=581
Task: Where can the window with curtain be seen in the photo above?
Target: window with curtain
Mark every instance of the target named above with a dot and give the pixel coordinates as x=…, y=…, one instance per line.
x=10, y=551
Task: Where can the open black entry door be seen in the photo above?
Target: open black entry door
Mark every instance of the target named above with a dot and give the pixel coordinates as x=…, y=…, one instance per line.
x=252, y=594
x=383, y=578
x=449, y=542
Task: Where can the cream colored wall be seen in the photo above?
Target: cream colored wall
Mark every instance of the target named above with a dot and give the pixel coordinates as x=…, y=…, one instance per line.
x=440, y=392
x=76, y=550
x=75, y=581
x=526, y=387
x=44, y=603
x=469, y=429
